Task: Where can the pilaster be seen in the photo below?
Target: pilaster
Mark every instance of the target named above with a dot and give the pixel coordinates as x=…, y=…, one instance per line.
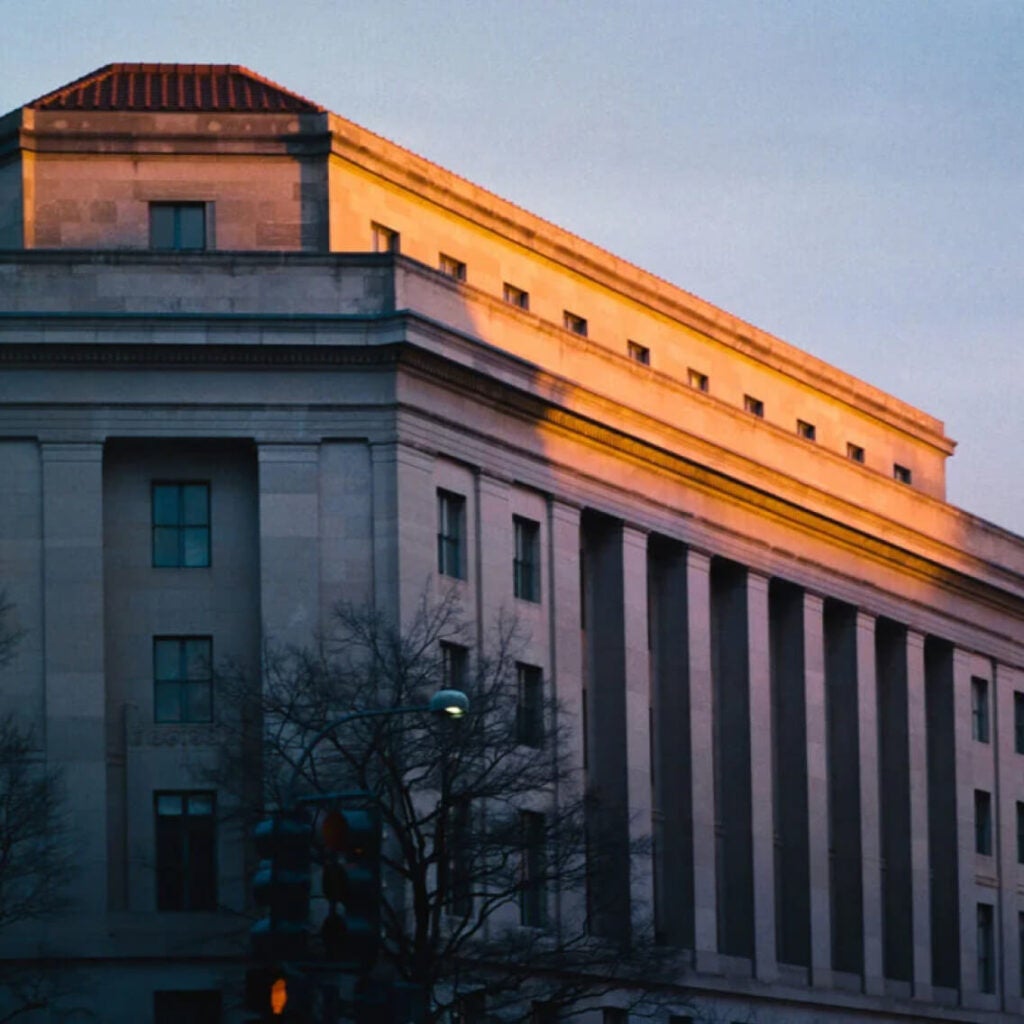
x=969, y=989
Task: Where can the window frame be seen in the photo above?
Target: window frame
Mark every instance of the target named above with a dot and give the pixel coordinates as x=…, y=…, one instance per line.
x=384, y=239
x=902, y=474
x=529, y=705
x=181, y=526
x=533, y=890
x=986, y=948
x=697, y=380
x=638, y=353
x=526, y=559
x=983, y=822
x=855, y=453
x=754, y=406
x=451, y=534
x=515, y=296
x=454, y=665
x=176, y=872
x=177, y=208
x=184, y=682
x=808, y=431
x=981, y=731
x=451, y=267
x=574, y=323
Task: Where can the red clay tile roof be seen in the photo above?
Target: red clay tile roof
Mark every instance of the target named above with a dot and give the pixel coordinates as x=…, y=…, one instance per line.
x=224, y=88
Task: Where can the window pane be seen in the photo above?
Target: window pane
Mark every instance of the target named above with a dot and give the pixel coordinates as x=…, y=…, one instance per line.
x=167, y=659
x=161, y=226
x=197, y=658
x=192, y=227
x=165, y=546
x=200, y=804
x=196, y=541
x=165, y=504
x=167, y=700
x=168, y=804
x=199, y=704
x=196, y=504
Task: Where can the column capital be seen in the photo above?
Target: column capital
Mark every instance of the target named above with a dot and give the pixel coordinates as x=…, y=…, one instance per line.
x=814, y=602
x=866, y=620
x=757, y=580
x=915, y=638
x=71, y=451
x=698, y=559
x=492, y=483
x=274, y=452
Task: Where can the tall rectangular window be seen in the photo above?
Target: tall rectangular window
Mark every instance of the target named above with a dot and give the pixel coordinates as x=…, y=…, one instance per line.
x=182, y=679
x=979, y=709
x=454, y=666
x=983, y=822
x=533, y=887
x=181, y=525
x=1018, y=722
x=1020, y=832
x=186, y=861
x=986, y=949
x=451, y=534
x=384, y=239
x=526, y=566
x=177, y=226
x=458, y=896
x=529, y=706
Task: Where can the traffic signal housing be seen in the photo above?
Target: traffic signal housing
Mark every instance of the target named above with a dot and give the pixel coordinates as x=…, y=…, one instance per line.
x=282, y=884
x=351, y=881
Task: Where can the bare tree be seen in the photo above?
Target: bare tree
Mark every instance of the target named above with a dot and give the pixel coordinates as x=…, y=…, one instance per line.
x=35, y=851
x=487, y=825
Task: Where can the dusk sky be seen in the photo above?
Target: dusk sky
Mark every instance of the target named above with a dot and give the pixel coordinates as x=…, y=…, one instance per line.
x=848, y=176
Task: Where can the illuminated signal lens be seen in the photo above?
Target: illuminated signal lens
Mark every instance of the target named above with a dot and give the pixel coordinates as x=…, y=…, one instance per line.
x=278, y=997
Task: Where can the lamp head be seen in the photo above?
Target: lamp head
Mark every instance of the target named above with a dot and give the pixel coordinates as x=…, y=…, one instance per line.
x=452, y=703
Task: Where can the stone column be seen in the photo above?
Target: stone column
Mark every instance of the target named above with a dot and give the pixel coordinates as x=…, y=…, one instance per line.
x=761, y=770
x=1004, y=681
x=562, y=563
x=871, y=876
x=638, y=719
x=969, y=994
x=73, y=642
x=917, y=744
x=289, y=509
x=702, y=746
x=404, y=527
x=495, y=552
x=817, y=790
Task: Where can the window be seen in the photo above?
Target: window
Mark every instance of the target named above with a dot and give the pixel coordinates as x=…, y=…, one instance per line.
x=986, y=949
x=186, y=874
x=182, y=679
x=533, y=889
x=983, y=822
x=529, y=706
x=1020, y=832
x=854, y=452
x=806, y=430
x=458, y=896
x=181, y=525
x=177, y=226
x=526, y=566
x=614, y=1015
x=452, y=267
x=697, y=380
x=753, y=405
x=638, y=353
x=1018, y=722
x=515, y=296
x=574, y=323
x=1020, y=952
x=454, y=664
x=979, y=709
x=901, y=474
x=384, y=239
x=197, y=1007
x=451, y=532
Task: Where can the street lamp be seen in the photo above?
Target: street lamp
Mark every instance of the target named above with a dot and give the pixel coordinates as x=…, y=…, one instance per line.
x=449, y=703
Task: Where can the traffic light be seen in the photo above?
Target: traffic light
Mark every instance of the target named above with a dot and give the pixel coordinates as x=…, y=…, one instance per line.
x=281, y=884
x=278, y=995
x=351, y=878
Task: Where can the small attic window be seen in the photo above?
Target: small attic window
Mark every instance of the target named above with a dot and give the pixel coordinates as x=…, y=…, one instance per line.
x=754, y=406
x=638, y=353
x=177, y=227
x=574, y=323
x=901, y=474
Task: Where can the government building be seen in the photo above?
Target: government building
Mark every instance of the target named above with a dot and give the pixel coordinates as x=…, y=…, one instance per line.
x=255, y=359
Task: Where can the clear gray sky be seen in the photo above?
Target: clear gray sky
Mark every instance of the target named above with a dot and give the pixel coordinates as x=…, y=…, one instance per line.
x=845, y=175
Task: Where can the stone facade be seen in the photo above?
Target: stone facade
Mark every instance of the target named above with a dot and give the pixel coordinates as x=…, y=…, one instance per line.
x=776, y=632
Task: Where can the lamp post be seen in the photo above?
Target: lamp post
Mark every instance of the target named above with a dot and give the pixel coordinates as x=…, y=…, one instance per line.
x=452, y=703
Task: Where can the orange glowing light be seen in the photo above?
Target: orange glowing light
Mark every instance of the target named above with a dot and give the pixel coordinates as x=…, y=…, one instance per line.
x=278, y=996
